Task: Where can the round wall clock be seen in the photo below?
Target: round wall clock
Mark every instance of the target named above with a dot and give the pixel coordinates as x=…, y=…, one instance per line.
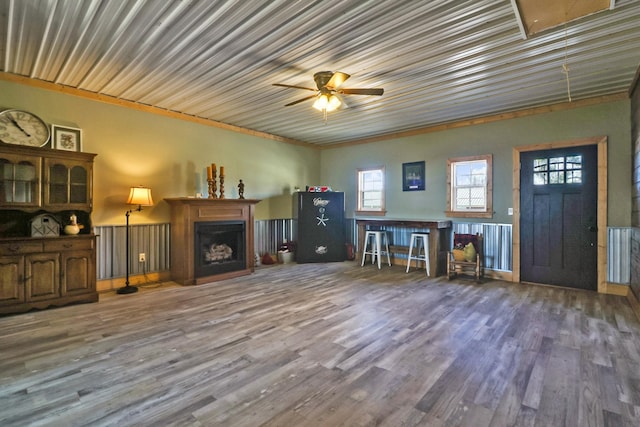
x=23, y=128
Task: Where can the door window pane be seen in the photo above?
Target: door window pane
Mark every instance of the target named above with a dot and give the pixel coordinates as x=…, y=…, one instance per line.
x=557, y=170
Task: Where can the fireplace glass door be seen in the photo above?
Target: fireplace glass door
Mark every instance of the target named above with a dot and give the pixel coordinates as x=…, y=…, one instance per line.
x=219, y=247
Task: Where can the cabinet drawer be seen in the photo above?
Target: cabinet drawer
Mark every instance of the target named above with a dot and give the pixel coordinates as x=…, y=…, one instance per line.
x=71, y=244
x=20, y=248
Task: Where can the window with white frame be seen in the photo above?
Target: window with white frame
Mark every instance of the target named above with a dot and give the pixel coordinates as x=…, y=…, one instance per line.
x=371, y=191
x=470, y=187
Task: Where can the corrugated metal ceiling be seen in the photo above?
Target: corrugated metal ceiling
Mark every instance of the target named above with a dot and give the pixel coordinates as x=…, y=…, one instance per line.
x=438, y=61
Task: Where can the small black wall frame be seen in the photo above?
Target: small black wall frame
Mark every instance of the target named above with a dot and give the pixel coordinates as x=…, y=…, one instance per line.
x=413, y=176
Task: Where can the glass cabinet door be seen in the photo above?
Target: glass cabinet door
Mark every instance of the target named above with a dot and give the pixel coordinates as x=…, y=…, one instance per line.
x=68, y=184
x=19, y=181
x=78, y=185
x=58, y=184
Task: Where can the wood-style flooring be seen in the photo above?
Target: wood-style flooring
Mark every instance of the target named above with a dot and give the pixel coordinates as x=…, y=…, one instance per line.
x=326, y=345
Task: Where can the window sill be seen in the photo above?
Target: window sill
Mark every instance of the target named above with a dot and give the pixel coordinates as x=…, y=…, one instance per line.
x=371, y=213
x=461, y=214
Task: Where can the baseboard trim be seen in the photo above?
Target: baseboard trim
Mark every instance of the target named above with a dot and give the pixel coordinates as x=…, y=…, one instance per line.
x=507, y=276
x=634, y=303
x=616, y=289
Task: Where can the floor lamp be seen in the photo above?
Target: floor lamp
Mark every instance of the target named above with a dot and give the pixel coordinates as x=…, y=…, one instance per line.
x=140, y=196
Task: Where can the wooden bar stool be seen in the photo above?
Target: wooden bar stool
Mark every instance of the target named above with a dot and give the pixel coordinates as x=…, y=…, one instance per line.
x=420, y=241
x=376, y=246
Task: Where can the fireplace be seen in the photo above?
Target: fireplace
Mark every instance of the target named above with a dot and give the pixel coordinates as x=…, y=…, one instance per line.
x=219, y=247
x=211, y=239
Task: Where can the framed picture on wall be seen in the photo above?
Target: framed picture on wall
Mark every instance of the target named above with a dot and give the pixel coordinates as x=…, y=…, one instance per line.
x=413, y=176
x=66, y=138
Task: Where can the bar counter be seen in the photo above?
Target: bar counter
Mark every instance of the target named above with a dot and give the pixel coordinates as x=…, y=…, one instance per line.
x=439, y=235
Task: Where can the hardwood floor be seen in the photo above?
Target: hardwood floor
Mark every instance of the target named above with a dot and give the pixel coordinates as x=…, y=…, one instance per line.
x=326, y=345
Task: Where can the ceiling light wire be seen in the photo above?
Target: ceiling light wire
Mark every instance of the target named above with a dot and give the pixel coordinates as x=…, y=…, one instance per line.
x=565, y=65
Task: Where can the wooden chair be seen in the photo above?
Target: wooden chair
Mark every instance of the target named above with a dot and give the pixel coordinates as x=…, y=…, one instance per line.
x=462, y=266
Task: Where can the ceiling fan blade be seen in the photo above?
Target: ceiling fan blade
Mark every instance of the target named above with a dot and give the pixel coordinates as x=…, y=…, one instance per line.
x=370, y=91
x=300, y=100
x=295, y=87
x=336, y=80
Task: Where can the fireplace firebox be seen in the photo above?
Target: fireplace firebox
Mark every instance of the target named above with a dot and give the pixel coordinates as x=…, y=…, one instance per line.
x=219, y=247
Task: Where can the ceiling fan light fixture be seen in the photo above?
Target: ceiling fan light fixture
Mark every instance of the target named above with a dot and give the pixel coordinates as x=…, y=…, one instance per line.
x=328, y=87
x=327, y=103
x=321, y=103
x=334, y=103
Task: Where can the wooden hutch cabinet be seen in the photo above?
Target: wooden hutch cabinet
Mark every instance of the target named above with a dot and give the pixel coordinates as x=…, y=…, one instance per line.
x=40, y=266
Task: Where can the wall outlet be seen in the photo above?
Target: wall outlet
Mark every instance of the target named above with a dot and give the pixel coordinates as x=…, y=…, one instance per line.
x=142, y=257
x=510, y=211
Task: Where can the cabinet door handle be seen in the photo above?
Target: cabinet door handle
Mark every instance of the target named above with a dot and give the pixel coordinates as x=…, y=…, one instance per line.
x=14, y=248
x=67, y=245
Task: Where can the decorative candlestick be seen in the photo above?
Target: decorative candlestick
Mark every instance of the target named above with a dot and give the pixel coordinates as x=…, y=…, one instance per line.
x=212, y=185
x=221, y=184
x=212, y=191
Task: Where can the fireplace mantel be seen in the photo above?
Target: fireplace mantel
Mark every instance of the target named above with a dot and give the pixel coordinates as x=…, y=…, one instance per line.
x=185, y=212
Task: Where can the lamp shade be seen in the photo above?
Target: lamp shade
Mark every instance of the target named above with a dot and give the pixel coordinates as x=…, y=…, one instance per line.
x=140, y=196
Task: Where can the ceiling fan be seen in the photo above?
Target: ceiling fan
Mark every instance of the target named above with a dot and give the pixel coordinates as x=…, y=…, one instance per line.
x=328, y=87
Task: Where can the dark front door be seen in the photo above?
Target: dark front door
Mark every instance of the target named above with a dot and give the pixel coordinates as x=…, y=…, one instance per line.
x=558, y=205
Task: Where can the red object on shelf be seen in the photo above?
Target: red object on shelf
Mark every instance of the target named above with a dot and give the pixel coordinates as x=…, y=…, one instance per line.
x=318, y=188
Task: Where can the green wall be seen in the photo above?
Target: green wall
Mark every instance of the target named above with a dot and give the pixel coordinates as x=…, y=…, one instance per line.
x=498, y=138
x=169, y=155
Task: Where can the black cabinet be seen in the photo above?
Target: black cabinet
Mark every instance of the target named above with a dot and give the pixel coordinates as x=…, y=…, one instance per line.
x=319, y=227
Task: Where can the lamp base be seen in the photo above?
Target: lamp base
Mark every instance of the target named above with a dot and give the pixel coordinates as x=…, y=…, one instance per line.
x=127, y=290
